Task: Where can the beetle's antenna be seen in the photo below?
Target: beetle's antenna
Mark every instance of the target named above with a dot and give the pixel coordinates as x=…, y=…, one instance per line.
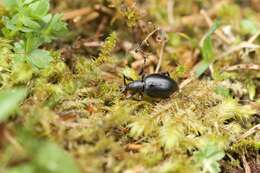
x=147, y=37
x=127, y=78
x=124, y=80
x=123, y=88
x=143, y=66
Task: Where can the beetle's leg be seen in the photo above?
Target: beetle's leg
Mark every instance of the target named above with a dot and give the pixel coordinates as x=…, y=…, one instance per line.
x=143, y=76
x=136, y=96
x=142, y=69
x=124, y=80
x=141, y=96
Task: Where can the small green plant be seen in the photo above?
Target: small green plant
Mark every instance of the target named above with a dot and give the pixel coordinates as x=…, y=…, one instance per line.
x=107, y=48
x=9, y=100
x=30, y=25
x=208, y=157
x=207, y=50
x=45, y=155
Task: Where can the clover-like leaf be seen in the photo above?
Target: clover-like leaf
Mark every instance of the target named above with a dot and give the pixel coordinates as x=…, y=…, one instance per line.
x=40, y=58
x=208, y=157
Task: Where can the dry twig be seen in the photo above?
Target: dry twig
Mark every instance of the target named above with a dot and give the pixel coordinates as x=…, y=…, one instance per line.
x=76, y=13
x=250, y=132
x=93, y=44
x=198, y=19
x=14, y=142
x=246, y=165
x=160, y=58
x=170, y=8
x=147, y=37
x=243, y=67
x=237, y=48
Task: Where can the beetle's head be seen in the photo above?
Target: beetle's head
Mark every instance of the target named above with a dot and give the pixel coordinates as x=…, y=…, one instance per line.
x=135, y=86
x=132, y=88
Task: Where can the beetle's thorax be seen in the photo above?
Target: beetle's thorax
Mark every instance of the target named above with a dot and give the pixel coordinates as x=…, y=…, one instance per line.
x=135, y=86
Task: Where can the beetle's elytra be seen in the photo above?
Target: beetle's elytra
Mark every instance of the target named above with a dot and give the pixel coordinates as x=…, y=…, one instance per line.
x=157, y=85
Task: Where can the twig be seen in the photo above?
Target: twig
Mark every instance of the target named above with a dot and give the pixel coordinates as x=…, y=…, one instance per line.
x=191, y=77
x=133, y=147
x=250, y=132
x=147, y=37
x=217, y=32
x=187, y=81
x=101, y=26
x=89, y=18
x=160, y=58
x=170, y=8
x=13, y=142
x=237, y=48
x=247, y=44
x=104, y=9
x=246, y=165
x=243, y=66
x=93, y=44
x=254, y=37
x=198, y=19
x=76, y=13
x=139, y=62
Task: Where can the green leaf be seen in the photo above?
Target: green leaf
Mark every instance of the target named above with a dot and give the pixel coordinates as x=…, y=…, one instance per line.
x=56, y=27
x=208, y=157
x=9, y=101
x=31, y=17
x=45, y=156
x=40, y=58
x=223, y=91
x=202, y=67
x=207, y=50
x=10, y=3
x=248, y=27
x=47, y=18
x=9, y=24
x=28, y=22
x=55, y=160
x=39, y=8
x=33, y=41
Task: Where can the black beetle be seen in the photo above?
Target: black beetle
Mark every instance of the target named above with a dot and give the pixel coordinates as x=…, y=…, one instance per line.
x=156, y=85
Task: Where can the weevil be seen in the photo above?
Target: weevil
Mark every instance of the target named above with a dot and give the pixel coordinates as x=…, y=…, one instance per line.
x=156, y=85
